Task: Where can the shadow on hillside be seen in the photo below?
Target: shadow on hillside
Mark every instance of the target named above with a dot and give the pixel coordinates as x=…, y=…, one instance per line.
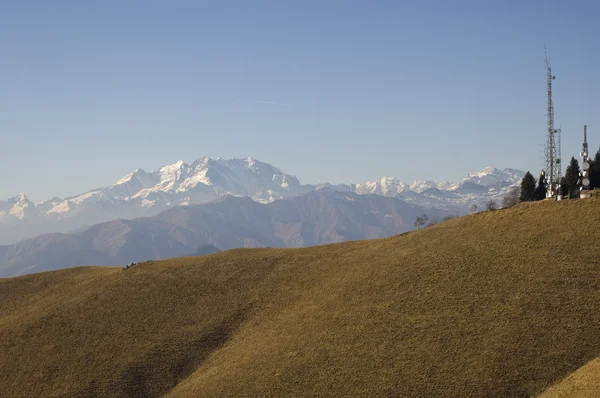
x=171, y=361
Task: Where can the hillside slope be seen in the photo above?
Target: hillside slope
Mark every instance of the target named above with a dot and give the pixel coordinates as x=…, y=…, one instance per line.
x=583, y=383
x=503, y=303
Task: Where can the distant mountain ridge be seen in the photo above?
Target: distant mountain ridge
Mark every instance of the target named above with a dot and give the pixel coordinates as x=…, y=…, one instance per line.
x=318, y=217
x=205, y=250
x=142, y=193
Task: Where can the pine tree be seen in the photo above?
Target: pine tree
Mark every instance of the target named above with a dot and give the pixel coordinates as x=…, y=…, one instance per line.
x=527, y=188
x=563, y=187
x=572, y=178
x=540, y=191
x=595, y=171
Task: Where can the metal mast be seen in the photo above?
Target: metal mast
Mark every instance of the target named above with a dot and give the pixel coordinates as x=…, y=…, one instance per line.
x=552, y=157
x=559, y=166
x=585, y=179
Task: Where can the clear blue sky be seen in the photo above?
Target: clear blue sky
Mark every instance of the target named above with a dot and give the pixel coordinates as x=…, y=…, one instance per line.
x=339, y=91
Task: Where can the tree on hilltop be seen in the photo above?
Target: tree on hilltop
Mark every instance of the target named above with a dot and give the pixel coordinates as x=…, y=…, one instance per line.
x=491, y=205
x=540, y=191
x=421, y=220
x=563, y=190
x=527, y=188
x=595, y=171
x=572, y=177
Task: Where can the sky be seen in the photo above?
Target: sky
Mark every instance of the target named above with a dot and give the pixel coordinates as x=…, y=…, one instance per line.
x=337, y=91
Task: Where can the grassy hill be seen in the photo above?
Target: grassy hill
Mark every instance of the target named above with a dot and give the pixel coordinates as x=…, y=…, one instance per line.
x=583, y=383
x=503, y=303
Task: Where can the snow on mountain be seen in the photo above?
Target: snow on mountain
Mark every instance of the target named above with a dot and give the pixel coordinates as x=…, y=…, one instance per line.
x=420, y=186
x=475, y=189
x=203, y=180
x=210, y=178
x=336, y=187
x=467, y=187
x=385, y=186
x=18, y=207
x=439, y=193
x=143, y=193
x=494, y=178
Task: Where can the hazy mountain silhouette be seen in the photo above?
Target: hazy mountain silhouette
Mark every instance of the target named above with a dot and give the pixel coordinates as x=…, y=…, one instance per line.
x=319, y=217
x=206, y=249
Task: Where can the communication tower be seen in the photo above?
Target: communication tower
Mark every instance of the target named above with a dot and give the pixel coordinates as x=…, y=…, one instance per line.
x=585, y=167
x=558, y=189
x=552, y=152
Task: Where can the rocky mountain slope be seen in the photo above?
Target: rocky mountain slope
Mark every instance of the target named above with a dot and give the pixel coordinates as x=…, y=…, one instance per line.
x=144, y=193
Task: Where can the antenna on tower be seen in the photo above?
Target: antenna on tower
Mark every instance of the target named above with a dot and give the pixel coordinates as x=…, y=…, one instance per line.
x=585, y=166
x=551, y=150
x=559, y=165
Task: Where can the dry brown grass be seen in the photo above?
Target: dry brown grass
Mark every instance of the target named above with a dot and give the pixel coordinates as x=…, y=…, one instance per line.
x=583, y=383
x=503, y=303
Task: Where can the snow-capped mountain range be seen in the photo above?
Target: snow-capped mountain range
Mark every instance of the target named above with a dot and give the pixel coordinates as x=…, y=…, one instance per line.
x=144, y=193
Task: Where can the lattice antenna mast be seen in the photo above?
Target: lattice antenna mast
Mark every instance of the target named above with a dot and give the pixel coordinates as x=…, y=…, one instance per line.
x=585, y=165
x=558, y=159
x=552, y=157
x=585, y=152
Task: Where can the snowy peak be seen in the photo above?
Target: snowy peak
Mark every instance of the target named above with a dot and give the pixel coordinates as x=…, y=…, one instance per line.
x=485, y=171
x=138, y=175
x=142, y=193
x=467, y=187
x=21, y=199
x=495, y=178
x=241, y=177
x=477, y=188
x=489, y=180
x=420, y=186
x=385, y=186
x=18, y=207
